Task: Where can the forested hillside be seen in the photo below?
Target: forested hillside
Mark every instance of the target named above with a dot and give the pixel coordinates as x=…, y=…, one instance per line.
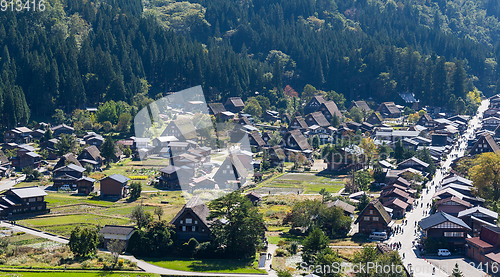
x=81, y=53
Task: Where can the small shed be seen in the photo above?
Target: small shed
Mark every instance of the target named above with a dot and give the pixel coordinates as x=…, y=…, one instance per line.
x=116, y=232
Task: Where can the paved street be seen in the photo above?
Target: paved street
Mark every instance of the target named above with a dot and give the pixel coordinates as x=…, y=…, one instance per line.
x=9, y=183
x=421, y=265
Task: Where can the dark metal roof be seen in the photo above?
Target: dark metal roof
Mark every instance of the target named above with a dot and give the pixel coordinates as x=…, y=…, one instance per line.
x=117, y=177
x=117, y=230
x=439, y=218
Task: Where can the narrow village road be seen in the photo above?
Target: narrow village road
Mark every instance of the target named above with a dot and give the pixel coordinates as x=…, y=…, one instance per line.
x=9, y=183
x=419, y=263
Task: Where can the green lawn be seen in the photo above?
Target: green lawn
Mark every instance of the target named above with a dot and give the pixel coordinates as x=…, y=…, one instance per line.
x=59, y=199
x=284, y=237
x=208, y=265
x=75, y=273
x=62, y=225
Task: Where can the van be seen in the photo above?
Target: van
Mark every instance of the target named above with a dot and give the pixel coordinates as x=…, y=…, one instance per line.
x=378, y=236
x=444, y=252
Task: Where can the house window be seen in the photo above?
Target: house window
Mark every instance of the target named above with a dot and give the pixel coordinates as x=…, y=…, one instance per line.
x=366, y=218
x=184, y=228
x=181, y=221
x=203, y=230
x=232, y=172
x=371, y=211
x=196, y=222
x=227, y=166
x=375, y=218
x=453, y=234
x=224, y=171
x=193, y=229
x=189, y=220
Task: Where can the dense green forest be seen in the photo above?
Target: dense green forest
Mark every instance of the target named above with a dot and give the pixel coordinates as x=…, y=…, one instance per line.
x=82, y=53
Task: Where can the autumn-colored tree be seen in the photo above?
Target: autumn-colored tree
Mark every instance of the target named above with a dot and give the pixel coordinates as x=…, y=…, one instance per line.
x=485, y=175
x=368, y=147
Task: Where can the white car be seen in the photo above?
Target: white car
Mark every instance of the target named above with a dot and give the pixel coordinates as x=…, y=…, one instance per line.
x=444, y=252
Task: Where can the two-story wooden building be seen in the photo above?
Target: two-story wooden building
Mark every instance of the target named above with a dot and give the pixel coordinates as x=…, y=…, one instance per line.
x=191, y=221
x=114, y=187
x=17, y=201
x=374, y=218
x=67, y=175
x=443, y=225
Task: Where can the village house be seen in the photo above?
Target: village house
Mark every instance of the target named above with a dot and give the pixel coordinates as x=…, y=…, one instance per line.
x=317, y=118
x=295, y=142
x=58, y=130
x=18, y=135
x=347, y=208
x=85, y=185
x=313, y=104
x=232, y=173
x=389, y=109
x=486, y=247
x=67, y=175
x=374, y=218
x=298, y=123
x=26, y=157
x=115, y=232
x=169, y=178
x=114, y=187
x=478, y=216
x=276, y=156
x=91, y=155
x=191, y=221
x=361, y=105
x=398, y=207
x=16, y=201
x=375, y=119
x=426, y=121
x=93, y=139
x=271, y=116
x=183, y=129
x=37, y=134
x=329, y=108
x=442, y=225
x=216, y=109
x=452, y=205
x=234, y=104
x=484, y=144
x=201, y=182
x=414, y=163
x=256, y=140
x=389, y=195
x=254, y=197
x=65, y=159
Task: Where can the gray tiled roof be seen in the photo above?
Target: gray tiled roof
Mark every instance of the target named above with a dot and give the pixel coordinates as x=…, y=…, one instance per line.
x=439, y=218
x=28, y=192
x=482, y=210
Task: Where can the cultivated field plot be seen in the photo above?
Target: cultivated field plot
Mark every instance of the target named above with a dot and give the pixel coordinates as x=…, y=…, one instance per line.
x=301, y=183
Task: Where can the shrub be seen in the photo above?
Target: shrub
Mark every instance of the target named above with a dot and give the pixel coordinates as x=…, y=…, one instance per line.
x=280, y=252
x=120, y=263
x=294, y=247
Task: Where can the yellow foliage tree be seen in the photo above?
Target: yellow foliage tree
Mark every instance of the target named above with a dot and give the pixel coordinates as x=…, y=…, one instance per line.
x=485, y=175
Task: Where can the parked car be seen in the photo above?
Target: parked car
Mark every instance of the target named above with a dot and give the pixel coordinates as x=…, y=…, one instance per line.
x=378, y=236
x=444, y=252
